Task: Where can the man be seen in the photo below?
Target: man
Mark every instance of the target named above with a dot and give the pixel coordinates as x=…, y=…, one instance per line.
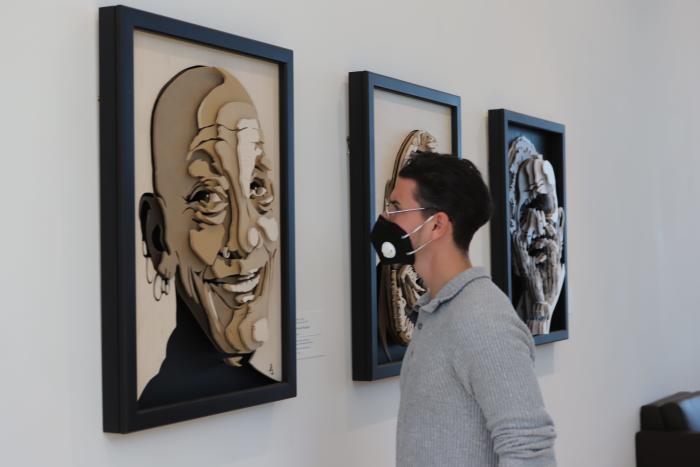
x=210, y=229
x=469, y=394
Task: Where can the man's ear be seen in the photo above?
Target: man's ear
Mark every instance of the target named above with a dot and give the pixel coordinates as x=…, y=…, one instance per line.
x=153, y=235
x=441, y=226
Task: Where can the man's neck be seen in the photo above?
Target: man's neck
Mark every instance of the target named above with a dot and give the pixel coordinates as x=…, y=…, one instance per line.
x=444, y=267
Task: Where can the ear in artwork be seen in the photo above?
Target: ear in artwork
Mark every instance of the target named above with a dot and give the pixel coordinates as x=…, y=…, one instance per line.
x=153, y=235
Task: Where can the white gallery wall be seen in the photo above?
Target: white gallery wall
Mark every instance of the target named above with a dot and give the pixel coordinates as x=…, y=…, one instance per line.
x=623, y=76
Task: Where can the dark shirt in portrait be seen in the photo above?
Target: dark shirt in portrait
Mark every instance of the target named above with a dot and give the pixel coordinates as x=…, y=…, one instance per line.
x=193, y=368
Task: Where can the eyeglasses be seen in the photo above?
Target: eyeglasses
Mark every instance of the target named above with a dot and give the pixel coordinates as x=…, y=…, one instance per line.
x=389, y=212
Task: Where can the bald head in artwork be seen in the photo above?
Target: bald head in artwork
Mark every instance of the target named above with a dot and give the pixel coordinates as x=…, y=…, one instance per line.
x=210, y=224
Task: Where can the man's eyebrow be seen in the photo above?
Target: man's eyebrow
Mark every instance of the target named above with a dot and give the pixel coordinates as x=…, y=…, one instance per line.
x=393, y=202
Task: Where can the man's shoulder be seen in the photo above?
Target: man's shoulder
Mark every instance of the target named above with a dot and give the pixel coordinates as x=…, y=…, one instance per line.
x=482, y=308
x=482, y=296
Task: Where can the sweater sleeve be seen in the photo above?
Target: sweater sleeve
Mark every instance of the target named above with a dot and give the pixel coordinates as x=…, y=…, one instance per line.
x=494, y=362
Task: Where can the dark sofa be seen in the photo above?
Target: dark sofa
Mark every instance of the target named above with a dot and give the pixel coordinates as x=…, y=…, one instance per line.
x=670, y=432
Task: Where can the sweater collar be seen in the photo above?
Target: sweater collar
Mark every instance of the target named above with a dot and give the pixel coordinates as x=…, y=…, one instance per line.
x=428, y=304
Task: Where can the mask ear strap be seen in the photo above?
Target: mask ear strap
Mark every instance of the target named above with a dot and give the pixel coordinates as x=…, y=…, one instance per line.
x=420, y=247
x=419, y=227
x=415, y=230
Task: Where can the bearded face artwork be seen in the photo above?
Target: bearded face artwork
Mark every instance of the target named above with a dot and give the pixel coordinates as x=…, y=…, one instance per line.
x=400, y=287
x=209, y=227
x=537, y=229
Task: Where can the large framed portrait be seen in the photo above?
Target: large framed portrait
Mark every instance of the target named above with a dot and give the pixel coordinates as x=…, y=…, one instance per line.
x=528, y=226
x=197, y=221
x=390, y=120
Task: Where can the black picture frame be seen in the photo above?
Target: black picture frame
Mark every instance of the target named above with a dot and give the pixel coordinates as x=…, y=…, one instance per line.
x=117, y=25
x=549, y=138
x=367, y=363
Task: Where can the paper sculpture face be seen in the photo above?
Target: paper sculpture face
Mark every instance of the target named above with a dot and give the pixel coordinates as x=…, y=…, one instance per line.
x=536, y=227
x=209, y=226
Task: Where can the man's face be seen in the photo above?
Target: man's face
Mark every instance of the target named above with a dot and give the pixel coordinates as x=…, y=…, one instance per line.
x=402, y=197
x=537, y=205
x=220, y=223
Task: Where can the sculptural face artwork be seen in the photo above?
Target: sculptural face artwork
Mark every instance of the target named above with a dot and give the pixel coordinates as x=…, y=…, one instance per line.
x=537, y=228
x=209, y=227
x=400, y=285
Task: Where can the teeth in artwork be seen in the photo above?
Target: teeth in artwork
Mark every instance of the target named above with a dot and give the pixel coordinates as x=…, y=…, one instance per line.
x=245, y=286
x=251, y=273
x=245, y=298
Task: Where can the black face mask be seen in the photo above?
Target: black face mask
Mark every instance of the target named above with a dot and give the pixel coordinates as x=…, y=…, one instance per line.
x=393, y=244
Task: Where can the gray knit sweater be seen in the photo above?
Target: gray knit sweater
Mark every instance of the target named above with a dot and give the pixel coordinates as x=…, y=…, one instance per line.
x=469, y=394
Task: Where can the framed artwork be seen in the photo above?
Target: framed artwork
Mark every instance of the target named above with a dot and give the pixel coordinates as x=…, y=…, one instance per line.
x=389, y=120
x=528, y=227
x=197, y=221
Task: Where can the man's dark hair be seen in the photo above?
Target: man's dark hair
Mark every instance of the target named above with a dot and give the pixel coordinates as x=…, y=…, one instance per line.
x=453, y=186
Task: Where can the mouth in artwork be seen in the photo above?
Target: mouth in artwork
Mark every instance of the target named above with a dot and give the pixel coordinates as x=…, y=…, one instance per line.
x=238, y=290
x=539, y=226
x=538, y=248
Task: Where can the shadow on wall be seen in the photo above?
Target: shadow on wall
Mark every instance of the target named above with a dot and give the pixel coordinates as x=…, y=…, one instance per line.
x=180, y=444
x=544, y=360
x=379, y=401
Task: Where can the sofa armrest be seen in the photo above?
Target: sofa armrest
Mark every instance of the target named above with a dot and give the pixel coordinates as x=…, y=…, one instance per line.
x=668, y=448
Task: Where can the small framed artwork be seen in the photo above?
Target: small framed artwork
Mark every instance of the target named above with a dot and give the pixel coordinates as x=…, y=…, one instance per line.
x=390, y=120
x=528, y=226
x=197, y=221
